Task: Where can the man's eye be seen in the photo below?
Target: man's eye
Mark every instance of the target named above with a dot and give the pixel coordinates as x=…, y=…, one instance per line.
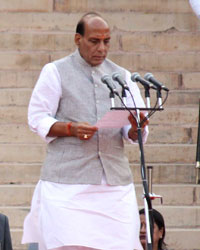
x=94, y=41
x=106, y=41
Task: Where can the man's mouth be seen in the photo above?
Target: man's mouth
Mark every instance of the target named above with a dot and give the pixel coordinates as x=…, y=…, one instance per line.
x=99, y=57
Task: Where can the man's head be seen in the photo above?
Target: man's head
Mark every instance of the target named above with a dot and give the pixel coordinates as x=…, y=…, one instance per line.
x=93, y=38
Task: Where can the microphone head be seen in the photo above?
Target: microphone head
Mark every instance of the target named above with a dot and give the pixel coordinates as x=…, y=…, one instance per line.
x=115, y=76
x=134, y=76
x=147, y=76
x=105, y=78
x=118, y=78
x=109, y=83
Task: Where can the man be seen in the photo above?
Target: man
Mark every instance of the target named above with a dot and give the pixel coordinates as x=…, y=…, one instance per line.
x=85, y=198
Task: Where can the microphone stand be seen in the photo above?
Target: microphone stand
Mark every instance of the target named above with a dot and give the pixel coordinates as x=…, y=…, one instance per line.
x=147, y=195
x=147, y=199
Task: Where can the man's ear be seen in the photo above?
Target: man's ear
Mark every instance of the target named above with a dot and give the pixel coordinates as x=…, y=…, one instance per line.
x=77, y=39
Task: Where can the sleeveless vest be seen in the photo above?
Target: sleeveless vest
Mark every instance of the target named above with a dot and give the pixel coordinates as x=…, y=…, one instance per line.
x=86, y=99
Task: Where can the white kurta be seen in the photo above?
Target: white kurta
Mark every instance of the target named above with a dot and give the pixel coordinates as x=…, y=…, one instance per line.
x=195, y=4
x=97, y=216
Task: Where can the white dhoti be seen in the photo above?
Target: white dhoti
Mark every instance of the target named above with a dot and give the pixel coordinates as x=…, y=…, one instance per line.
x=94, y=216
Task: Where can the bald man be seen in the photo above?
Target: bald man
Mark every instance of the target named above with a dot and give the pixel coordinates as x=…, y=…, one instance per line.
x=85, y=198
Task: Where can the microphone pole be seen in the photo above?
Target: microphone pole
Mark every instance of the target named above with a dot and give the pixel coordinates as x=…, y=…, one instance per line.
x=147, y=199
x=198, y=151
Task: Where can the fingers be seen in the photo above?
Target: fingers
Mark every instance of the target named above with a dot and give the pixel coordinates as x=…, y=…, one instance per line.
x=85, y=131
x=133, y=122
x=143, y=120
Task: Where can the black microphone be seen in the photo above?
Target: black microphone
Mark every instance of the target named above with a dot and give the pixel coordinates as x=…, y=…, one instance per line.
x=117, y=77
x=149, y=77
x=137, y=78
x=108, y=81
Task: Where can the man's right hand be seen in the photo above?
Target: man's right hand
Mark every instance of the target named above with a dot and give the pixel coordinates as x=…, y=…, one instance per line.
x=83, y=130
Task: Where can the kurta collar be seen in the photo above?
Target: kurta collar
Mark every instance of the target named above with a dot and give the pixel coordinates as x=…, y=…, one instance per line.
x=82, y=61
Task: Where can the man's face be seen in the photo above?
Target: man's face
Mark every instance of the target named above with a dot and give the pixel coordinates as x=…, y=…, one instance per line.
x=95, y=42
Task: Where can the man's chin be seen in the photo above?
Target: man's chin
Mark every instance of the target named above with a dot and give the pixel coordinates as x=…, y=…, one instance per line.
x=97, y=61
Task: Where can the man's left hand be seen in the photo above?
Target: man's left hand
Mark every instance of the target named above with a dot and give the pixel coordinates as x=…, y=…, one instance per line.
x=133, y=133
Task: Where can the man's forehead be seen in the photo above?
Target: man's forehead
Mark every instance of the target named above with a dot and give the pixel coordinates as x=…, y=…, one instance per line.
x=96, y=21
x=95, y=24
x=99, y=34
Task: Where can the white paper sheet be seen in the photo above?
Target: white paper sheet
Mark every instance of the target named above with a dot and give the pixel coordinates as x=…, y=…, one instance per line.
x=114, y=119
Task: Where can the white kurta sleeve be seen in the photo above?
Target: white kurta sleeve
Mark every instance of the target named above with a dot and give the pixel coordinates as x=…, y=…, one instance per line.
x=44, y=102
x=138, y=101
x=195, y=4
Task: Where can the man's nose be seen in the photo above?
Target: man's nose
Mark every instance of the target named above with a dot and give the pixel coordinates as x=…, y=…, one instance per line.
x=101, y=46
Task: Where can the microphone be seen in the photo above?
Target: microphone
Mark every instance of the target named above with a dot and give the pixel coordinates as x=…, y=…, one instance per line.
x=137, y=78
x=149, y=77
x=106, y=79
x=147, y=85
x=117, y=77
